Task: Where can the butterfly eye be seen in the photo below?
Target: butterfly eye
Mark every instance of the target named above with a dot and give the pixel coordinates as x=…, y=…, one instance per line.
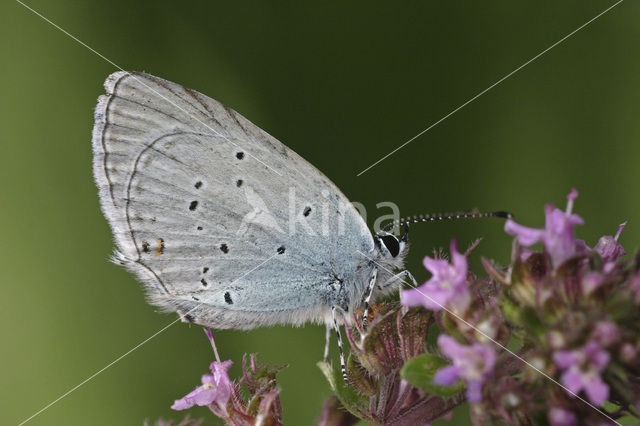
x=392, y=244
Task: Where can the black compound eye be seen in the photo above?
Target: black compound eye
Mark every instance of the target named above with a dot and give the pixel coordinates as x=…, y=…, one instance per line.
x=392, y=244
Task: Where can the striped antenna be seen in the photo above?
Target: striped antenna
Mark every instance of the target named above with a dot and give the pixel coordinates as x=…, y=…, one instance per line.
x=444, y=216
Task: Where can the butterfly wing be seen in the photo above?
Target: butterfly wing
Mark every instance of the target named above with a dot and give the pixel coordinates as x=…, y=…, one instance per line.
x=223, y=224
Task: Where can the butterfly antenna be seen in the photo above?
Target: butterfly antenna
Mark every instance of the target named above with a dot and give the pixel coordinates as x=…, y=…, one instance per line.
x=444, y=216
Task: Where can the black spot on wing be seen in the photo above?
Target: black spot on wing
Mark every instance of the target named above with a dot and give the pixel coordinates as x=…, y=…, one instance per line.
x=193, y=205
x=227, y=298
x=224, y=248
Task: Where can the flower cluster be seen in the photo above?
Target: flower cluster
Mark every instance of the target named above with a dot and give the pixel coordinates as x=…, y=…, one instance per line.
x=377, y=391
x=553, y=338
x=570, y=312
x=224, y=397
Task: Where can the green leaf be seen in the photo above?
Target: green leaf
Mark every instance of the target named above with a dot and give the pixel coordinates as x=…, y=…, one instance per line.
x=419, y=371
x=348, y=396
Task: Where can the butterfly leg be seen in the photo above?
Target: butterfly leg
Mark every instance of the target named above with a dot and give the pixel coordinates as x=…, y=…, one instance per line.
x=372, y=284
x=400, y=277
x=336, y=327
x=327, y=340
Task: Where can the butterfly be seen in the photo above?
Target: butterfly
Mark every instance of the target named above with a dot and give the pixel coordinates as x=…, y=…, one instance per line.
x=224, y=224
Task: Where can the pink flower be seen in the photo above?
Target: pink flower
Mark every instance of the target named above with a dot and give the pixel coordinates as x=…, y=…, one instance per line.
x=216, y=388
x=557, y=235
x=471, y=363
x=446, y=288
x=582, y=370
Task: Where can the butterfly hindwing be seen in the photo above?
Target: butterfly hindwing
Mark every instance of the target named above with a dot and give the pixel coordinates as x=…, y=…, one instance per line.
x=200, y=203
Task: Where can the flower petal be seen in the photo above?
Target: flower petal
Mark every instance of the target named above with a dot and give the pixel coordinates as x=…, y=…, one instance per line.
x=460, y=301
x=572, y=380
x=559, y=240
x=206, y=396
x=202, y=395
x=458, y=260
x=416, y=297
x=223, y=384
x=599, y=357
x=446, y=376
x=450, y=347
x=525, y=235
x=208, y=378
x=565, y=359
x=182, y=404
x=219, y=369
x=474, y=391
x=597, y=390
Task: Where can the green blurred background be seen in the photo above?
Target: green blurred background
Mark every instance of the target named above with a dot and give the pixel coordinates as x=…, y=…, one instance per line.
x=341, y=84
